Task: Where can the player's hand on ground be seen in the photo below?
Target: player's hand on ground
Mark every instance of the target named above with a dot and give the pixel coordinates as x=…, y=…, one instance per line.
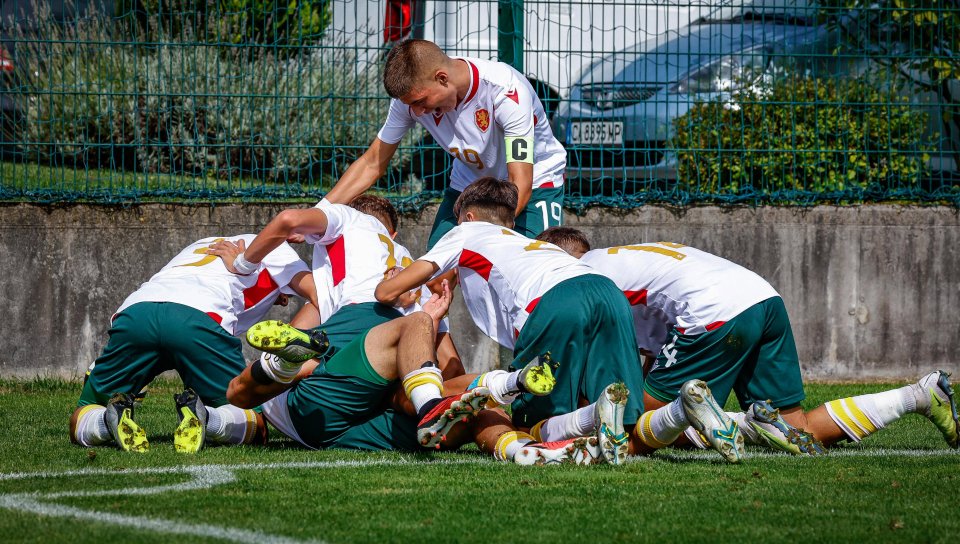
x=227, y=250
x=439, y=302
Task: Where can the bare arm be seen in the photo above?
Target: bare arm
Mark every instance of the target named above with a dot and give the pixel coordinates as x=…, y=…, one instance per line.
x=521, y=175
x=363, y=173
x=409, y=278
x=303, y=285
x=285, y=224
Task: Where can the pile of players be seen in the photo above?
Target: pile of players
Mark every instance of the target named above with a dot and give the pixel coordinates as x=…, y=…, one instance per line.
x=616, y=351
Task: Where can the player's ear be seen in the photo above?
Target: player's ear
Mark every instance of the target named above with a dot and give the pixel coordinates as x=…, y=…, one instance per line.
x=441, y=77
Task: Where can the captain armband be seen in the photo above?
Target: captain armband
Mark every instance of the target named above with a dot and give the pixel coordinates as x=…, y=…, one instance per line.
x=519, y=149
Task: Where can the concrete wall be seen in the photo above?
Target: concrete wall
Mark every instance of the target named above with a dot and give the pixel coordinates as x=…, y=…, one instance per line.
x=873, y=292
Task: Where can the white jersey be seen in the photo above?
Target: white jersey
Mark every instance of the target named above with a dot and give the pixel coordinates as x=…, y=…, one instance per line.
x=503, y=274
x=679, y=286
x=202, y=282
x=351, y=258
x=501, y=104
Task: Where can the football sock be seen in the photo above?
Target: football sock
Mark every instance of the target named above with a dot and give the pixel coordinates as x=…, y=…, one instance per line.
x=423, y=385
x=91, y=427
x=661, y=427
x=863, y=415
x=580, y=422
x=228, y=424
x=509, y=444
x=504, y=386
x=279, y=369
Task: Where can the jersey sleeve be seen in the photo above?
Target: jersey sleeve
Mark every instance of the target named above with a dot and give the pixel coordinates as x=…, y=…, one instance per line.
x=338, y=217
x=513, y=111
x=446, y=253
x=283, y=264
x=398, y=122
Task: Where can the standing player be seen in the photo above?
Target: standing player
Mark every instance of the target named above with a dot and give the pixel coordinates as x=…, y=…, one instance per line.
x=729, y=327
x=533, y=297
x=485, y=114
x=187, y=318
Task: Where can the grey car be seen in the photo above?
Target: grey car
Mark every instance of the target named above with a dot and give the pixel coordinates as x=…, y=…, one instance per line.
x=619, y=117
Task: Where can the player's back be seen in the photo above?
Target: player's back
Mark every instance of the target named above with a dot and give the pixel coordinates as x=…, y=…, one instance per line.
x=351, y=258
x=201, y=281
x=694, y=290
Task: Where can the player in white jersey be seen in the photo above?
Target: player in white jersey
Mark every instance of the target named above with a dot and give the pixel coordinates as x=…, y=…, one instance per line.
x=485, y=114
x=186, y=318
x=534, y=298
x=728, y=327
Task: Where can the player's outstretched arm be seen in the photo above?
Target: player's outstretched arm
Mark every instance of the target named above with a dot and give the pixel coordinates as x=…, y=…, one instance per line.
x=363, y=173
x=415, y=275
x=277, y=231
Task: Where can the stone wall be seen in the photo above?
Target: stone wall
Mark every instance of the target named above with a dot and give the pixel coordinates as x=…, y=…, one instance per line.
x=873, y=292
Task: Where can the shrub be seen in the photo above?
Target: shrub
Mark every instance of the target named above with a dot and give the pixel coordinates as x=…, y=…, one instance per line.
x=814, y=135
x=169, y=103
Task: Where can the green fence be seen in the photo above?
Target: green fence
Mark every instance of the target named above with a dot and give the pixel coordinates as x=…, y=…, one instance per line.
x=120, y=101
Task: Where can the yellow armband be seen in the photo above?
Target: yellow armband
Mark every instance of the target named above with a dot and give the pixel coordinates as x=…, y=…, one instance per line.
x=519, y=149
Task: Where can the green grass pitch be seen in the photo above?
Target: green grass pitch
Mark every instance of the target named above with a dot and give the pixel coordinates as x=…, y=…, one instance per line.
x=897, y=486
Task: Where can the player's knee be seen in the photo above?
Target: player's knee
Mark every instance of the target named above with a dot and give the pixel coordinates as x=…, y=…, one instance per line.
x=418, y=322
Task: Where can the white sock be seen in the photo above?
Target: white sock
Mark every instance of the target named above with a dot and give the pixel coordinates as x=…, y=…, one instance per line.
x=509, y=444
x=423, y=385
x=662, y=426
x=91, y=427
x=861, y=416
x=228, y=424
x=279, y=369
x=580, y=422
x=504, y=386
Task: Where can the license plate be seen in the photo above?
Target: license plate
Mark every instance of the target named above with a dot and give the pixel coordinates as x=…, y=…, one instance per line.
x=596, y=132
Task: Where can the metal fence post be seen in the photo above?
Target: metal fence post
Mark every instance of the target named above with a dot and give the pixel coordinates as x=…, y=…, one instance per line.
x=510, y=38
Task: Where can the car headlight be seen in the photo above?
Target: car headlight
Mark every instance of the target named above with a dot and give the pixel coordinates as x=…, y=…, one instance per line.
x=727, y=74
x=610, y=96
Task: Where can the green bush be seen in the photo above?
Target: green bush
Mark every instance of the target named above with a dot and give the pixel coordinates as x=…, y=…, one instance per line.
x=816, y=135
x=165, y=103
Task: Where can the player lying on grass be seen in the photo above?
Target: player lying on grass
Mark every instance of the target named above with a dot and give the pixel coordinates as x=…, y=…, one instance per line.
x=533, y=297
x=727, y=326
x=343, y=403
x=485, y=114
x=186, y=318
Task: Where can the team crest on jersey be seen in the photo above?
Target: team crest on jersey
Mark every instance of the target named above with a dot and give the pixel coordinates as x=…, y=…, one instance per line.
x=482, y=117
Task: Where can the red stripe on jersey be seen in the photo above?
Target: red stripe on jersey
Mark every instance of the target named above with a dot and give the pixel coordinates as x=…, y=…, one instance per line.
x=338, y=263
x=534, y=120
x=476, y=262
x=636, y=297
x=715, y=325
x=533, y=304
x=476, y=82
x=216, y=317
x=260, y=290
x=681, y=330
x=547, y=185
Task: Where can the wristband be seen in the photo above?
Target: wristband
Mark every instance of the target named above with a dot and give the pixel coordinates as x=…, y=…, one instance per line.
x=243, y=266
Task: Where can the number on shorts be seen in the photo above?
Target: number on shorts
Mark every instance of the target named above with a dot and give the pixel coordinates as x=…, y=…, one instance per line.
x=556, y=213
x=670, y=352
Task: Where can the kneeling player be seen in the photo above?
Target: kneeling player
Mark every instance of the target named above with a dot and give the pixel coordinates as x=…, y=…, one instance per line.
x=185, y=318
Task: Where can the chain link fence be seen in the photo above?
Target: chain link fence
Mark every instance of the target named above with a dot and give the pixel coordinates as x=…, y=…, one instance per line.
x=120, y=101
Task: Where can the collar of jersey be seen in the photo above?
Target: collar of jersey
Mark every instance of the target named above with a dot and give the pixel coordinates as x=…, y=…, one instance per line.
x=474, y=82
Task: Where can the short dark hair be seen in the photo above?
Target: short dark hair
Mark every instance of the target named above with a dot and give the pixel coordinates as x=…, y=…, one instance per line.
x=569, y=239
x=408, y=63
x=491, y=199
x=378, y=207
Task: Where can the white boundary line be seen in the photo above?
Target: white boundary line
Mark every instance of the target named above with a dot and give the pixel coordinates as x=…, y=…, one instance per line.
x=208, y=476
x=202, y=477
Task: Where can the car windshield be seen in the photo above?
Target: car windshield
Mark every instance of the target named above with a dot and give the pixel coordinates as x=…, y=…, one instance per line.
x=758, y=17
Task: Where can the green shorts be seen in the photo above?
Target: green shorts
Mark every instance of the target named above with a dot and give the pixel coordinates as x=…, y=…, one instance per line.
x=151, y=337
x=545, y=209
x=587, y=326
x=753, y=354
x=353, y=320
x=343, y=405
